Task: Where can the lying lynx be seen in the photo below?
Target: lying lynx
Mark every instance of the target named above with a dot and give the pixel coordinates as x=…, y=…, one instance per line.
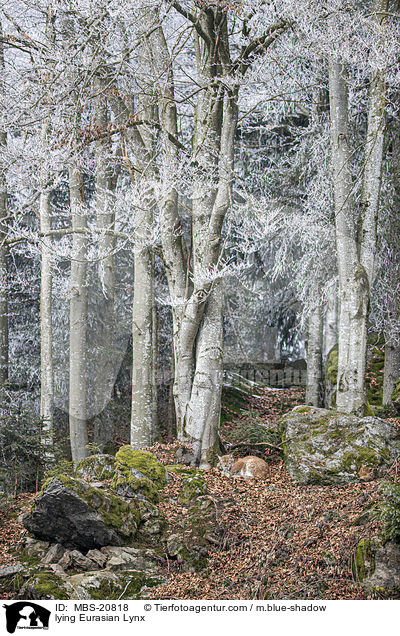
x=247, y=467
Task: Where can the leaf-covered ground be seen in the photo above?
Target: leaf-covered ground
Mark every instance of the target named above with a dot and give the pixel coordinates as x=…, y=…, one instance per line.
x=281, y=540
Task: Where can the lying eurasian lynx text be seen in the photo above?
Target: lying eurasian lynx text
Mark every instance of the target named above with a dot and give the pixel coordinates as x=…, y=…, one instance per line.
x=246, y=467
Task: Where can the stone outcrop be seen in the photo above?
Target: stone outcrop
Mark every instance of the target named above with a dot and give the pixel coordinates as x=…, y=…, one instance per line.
x=327, y=447
x=70, y=512
x=101, y=534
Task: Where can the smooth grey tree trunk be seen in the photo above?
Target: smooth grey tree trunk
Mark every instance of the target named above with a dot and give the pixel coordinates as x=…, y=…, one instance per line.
x=314, y=387
x=3, y=242
x=105, y=219
x=331, y=322
x=355, y=247
x=78, y=320
x=46, y=318
x=46, y=285
x=144, y=320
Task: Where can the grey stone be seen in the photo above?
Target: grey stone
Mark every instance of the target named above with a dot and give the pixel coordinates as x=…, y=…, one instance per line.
x=10, y=570
x=96, y=468
x=327, y=447
x=97, y=557
x=128, y=558
x=54, y=554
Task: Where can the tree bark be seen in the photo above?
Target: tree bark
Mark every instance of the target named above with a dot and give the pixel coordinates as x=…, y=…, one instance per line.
x=314, y=388
x=353, y=280
x=46, y=287
x=3, y=243
x=331, y=322
x=144, y=323
x=78, y=321
x=105, y=220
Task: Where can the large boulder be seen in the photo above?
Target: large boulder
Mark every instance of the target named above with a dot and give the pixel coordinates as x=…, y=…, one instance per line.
x=70, y=512
x=327, y=447
x=138, y=474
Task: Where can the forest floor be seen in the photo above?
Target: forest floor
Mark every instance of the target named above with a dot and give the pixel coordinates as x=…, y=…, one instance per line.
x=281, y=540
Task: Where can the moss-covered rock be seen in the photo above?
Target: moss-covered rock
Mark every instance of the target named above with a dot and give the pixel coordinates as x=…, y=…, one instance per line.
x=70, y=512
x=376, y=565
x=152, y=523
x=45, y=585
x=192, y=488
x=138, y=474
x=96, y=468
x=110, y=585
x=144, y=462
x=363, y=560
x=396, y=394
x=326, y=447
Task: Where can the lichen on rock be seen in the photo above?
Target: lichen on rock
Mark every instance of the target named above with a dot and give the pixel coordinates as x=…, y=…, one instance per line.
x=327, y=447
x=96, y=468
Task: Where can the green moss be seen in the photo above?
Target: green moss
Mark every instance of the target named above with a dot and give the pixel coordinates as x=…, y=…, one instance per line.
x=360, y=456
x=130, y=587
x=123, y=478
x=363, y=562
x=191, y=488
x=396, y=393
x=303, y=409
x=49, y=586
x=143, y=461
x=331, y=365
x=388, y=512
x=233, y=401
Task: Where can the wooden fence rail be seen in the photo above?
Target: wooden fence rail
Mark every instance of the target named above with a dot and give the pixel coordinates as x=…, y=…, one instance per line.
x=273, y=374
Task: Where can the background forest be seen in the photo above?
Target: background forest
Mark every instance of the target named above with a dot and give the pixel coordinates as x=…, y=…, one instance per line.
x=183, y=184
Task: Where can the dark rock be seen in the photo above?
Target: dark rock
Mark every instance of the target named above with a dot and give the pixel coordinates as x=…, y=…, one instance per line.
x=70, y=512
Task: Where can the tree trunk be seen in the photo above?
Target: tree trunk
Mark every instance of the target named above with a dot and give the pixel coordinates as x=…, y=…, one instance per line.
x=46, y=283
x=78, y=321
x=3, y=243
x=144, y=325
x=3, y=269
x=392, y=370
x=46, y=320
x=314, y=390
x=353, y=281
x=331, y=322
x=105, y=219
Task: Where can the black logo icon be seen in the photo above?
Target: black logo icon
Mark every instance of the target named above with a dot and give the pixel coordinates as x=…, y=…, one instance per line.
x=26, y=615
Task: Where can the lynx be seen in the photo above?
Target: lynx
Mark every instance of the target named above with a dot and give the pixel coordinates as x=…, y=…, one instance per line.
x=246, y=467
